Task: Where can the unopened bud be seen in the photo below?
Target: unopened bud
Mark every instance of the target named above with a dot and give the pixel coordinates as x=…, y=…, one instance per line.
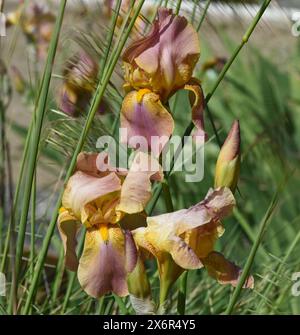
x=228, y=163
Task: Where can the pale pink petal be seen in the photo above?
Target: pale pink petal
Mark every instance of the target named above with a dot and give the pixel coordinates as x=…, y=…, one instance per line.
x=102, y=265
x=143, y=116
x=136, y=189
x=83, y=188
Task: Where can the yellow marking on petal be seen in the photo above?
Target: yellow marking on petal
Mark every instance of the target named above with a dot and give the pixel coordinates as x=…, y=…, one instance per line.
x=62, y=210
x=141, y=93
x=104, y=232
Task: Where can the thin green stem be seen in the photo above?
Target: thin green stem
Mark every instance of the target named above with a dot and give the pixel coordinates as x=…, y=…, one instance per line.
x=32, y=226
x=208, y=2
x=182, y=293
x=95, y=102
x=11, y=225
x=110, y=37
x=178, y=7
x=167, y=196
x=35, y=140
x=121, y=304
x=72, y=278
x=263, y=226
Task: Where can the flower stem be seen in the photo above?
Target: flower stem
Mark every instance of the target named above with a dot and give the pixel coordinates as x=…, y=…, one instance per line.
x=35, y=140
x=203, y=14
x=250, y=259
x=182, y=293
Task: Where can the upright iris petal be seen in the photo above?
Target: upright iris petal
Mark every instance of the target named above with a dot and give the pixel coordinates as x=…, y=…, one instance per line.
x=164, y=60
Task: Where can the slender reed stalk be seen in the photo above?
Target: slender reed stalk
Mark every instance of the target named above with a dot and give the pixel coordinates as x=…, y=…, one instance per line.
x=182, y=293
x=95, y=102
x=35, y=140
x=205, y=9
x=263, y=226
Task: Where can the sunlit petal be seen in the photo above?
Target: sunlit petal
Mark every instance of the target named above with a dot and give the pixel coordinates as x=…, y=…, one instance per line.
x=143, y=115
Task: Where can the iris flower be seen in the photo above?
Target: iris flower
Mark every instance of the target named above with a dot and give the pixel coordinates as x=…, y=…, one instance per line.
x=98, y=197
x=156, y=66
x=185, y=239
x=80, y=78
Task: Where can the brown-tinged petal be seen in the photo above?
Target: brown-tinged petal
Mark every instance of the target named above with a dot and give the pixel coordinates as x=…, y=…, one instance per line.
x=143, y=115
x=167, y=56
x=224, y=271
x=68, y=227
x=136, y=189
x=130, y=252
x=83, y=188
x=102, y=265
x=166, y=232
x=198, y=104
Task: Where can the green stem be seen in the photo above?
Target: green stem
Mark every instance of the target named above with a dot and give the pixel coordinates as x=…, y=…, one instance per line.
x=167, y=196
x=72, y=278
x=203, y=14
x=95, y=102
x=121, y=304
x=32, y=226
x=11, y=225
x=182, y=293
x=178, y=7
x=35, y=140
x=250, y=259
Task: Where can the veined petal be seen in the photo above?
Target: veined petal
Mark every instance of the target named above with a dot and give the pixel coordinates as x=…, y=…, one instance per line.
x=217, y=204
x=97, y=164
x=83, y=188
x=136, y=189
x=102, y=266
x=224, y=271
x=68, y=227
x=171, y=232
x=144, y=116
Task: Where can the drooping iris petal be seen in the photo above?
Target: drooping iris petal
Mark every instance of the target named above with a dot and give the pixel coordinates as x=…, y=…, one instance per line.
x=68, y=227
x=198, y=104
x=83, y=188
x=143, y=115
x=203, y=239
x=166, y=233
x=224, y=271
x=102, y=266
x=136, y=189
x=166, y=57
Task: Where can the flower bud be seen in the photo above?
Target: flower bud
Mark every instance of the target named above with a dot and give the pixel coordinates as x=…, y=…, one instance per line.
x=228, y=163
